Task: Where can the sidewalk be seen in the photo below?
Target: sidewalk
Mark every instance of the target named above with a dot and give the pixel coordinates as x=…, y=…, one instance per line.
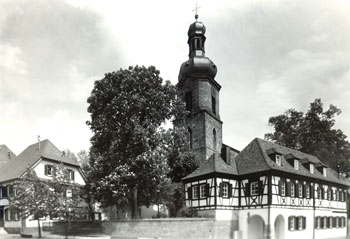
x=54, y=236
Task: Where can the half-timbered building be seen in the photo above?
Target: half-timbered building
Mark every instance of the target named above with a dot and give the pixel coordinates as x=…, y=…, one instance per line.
x=266, y=190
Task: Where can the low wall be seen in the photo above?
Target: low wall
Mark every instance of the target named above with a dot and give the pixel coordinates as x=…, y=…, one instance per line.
x=172, y=228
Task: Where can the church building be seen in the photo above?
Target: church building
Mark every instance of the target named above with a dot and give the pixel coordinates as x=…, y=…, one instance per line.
x=266, y=190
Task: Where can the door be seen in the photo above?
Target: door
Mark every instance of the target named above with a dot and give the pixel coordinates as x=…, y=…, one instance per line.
x=279, y=227
x=256, y=227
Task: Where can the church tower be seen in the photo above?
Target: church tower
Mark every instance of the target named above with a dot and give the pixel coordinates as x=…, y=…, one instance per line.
x=201, y=94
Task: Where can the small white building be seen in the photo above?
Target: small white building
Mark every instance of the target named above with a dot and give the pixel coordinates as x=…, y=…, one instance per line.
x=42, y=157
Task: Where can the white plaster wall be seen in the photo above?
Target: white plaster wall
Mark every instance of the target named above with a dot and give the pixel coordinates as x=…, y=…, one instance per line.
x=40, y=171
x=244, y=217
x=330, y=232
x=285, y=212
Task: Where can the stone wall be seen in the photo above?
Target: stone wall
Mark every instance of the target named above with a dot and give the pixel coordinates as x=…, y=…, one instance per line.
x=172, y=229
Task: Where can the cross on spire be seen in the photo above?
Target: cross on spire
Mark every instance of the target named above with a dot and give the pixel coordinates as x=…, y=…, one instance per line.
x=196, y=9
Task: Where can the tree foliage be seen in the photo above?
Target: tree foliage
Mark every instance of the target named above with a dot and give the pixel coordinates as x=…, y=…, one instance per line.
x=130, y=145
x=313, y=133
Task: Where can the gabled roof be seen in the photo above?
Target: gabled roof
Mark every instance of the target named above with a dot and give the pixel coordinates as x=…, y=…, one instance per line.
x=15, y=168
x=255, y=158
x=6, y=154
x=215, y=164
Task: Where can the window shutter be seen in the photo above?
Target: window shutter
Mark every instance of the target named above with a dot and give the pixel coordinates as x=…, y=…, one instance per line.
x=321, y=224
x=7, y=215
x=345, y=196
x=280, y=187
x=288, y=189
x=189, y=193
x=304, y=222
x=207, y=188
x=229, y=190
x=296, y=189
x=10, y=187
x=54, y=171
x=247, y=189
x=322, y=192
x=312, y=191
x=304, y=190
x=46, y=166
x=261, y=187
x=331, y=192
x=221, y=189
x=73, y=175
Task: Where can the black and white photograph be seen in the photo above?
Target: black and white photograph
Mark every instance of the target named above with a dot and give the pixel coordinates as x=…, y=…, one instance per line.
x=175, y=119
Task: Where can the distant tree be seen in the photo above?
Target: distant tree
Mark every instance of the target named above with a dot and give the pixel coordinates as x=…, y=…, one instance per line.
x=313, y=133
x=130, y=145
x=30, y=196
x=83, y=158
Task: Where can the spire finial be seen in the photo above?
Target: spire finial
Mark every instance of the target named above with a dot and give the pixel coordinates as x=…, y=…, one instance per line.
x=196, y=10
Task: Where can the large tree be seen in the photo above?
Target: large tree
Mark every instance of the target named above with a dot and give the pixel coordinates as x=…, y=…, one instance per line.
x=131, y=145
x=313, y=133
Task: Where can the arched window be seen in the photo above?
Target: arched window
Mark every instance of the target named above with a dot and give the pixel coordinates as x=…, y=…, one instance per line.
x=214, y=139
x=190, y=138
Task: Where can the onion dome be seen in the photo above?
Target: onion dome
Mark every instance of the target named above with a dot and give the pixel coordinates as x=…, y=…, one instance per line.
x=197, y=64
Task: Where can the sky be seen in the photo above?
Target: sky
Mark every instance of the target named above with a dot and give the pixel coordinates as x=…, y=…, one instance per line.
x=271, y=56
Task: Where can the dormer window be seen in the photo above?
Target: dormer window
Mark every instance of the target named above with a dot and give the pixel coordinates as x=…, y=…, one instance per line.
x=296, y=164
x=312, y=168
x=325, y=172
x=278, y=159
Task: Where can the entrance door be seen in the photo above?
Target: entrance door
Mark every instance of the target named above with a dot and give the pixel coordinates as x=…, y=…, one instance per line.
x=279, y=227
x=1, y=217
x=256, y=227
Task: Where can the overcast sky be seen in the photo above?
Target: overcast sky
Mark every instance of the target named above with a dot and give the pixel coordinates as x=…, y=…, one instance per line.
x=271, y=56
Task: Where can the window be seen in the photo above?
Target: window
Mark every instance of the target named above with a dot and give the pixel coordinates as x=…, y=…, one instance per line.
x=213, y=104
x=300, y=190
x=324, y=224
x=214, y=139
x=335, y=222
x=296, y=164
x=254, y=188
x=202, y=191
x=190, y=138
x=307, y=191
x=325, y=172
x=312, y=168
x=291, y=223
x=278, y=160
x=283, y=189
x=318, y=223
x=188, y=98
x=292, y=190
x=70, y=174
x=301, y=223
x=49, y=170
x=225, y=189
x=195, y=192
x=335, y=195
x=329, y=222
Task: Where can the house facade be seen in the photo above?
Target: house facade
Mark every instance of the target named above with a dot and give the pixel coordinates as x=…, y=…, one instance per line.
x=43, y=157
x=266, y=190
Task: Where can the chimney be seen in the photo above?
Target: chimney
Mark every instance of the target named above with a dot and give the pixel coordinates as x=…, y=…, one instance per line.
x=39, y=141
x=338, y=169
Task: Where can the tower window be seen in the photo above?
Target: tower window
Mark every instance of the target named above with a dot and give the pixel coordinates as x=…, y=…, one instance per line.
x=214, y=139
x=190, y=138
x=213, y=104
x=188, y=98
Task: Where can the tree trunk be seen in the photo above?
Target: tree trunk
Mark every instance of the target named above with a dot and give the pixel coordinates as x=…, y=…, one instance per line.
x=39, y=228
x=134, y=211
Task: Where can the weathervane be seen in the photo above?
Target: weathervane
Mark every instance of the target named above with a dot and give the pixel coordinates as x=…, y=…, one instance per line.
x=196, y=9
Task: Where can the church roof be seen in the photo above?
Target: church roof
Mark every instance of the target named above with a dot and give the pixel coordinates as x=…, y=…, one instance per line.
x=14, y=168
x=215, y=164
x=255, y=157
